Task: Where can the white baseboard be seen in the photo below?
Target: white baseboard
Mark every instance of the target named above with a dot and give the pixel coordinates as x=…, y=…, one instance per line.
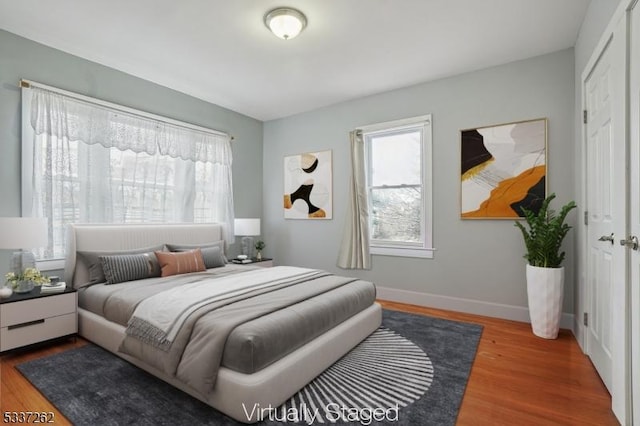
x=477, y=307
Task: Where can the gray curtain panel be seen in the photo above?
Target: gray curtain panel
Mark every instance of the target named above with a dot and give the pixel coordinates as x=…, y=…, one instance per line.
x=354, y=250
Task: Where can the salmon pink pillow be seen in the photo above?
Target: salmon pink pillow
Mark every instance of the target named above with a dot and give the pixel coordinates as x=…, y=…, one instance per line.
x=180, y=263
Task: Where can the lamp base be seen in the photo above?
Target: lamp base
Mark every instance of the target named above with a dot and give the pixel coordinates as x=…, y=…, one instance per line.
x=22, y=260
x=247, y=246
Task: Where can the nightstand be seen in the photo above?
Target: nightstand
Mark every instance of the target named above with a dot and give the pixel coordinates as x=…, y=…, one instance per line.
x=35, y=317
x=264, y=263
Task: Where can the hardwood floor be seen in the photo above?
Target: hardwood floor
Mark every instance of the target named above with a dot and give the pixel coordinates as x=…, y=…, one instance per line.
x=516, y=379
x=520, y=379
x=16, y=393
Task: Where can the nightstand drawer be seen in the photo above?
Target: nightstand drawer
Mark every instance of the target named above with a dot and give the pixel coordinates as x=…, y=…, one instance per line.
x=38, y=331
x=37, y=309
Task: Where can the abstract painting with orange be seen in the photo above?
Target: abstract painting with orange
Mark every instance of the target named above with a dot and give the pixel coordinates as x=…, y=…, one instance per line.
x=503, y=169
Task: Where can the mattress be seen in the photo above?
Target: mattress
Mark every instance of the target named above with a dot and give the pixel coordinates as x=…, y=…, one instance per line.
x=258, y=343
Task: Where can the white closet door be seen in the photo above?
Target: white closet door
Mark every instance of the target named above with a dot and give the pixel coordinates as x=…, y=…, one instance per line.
x=606, y=192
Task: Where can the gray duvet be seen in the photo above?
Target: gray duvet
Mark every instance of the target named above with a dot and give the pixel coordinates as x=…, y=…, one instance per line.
x=258, y=328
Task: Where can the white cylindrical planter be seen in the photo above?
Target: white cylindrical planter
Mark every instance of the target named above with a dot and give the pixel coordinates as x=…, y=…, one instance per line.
x=545, y=289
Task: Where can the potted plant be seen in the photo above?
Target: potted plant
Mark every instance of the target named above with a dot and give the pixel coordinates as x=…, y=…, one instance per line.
x=543, y=238
x=25, y=281
x=260, y=245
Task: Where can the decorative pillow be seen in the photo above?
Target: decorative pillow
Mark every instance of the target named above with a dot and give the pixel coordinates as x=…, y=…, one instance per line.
x=212, y=256
x=129, y=267
x=92, y=261
x=180, y=263
x=184, y=247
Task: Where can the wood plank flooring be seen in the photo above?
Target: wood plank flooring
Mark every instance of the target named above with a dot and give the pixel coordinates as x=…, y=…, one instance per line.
x=516, y=379
x=520, y=379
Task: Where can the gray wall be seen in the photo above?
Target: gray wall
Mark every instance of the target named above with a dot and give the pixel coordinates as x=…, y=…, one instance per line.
x=595, y=22
x=480, y=260
x=22, y=58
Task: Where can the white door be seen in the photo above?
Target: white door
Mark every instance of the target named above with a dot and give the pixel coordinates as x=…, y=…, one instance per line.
x=606, y=207
x=634, y=151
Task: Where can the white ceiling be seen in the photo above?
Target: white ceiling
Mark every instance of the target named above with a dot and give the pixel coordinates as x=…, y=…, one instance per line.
x=220, y=51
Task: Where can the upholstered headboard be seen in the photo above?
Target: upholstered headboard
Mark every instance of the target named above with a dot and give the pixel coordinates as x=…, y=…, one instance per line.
x=92, y=237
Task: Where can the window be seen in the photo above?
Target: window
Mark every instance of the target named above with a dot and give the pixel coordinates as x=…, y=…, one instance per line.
x=398, y=170
x=84, y=161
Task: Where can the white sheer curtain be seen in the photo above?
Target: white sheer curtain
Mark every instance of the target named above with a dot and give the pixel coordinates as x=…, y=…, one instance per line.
x=354, y=251
x=77, y=120
x=92, y=163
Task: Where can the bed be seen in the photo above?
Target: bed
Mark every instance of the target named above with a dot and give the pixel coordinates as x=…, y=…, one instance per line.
x=276, y=349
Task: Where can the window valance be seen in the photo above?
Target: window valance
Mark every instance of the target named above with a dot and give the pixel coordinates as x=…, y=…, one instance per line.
x=74, y=119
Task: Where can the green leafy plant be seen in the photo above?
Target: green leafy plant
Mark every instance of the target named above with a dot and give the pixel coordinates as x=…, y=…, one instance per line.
x=260, y=245
x=544, y=235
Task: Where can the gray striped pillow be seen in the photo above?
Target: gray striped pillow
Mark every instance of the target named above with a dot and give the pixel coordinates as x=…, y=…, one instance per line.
x=91, y=260
x=129, y=267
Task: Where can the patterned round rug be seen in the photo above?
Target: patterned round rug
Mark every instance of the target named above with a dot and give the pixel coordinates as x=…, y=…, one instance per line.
x=372, y=382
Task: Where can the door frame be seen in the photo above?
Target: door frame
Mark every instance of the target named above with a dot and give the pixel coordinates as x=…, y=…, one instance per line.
x=634, y=290
x=621, y=396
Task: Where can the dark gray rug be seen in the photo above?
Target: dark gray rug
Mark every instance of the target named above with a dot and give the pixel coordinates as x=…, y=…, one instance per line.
x=412, y=371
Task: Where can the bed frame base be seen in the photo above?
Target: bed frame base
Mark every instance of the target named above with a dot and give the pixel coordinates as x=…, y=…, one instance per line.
x=235, y=394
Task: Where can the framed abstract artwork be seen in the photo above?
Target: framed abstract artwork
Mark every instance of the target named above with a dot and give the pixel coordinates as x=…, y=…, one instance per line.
x=308, y=186
x=503, y=168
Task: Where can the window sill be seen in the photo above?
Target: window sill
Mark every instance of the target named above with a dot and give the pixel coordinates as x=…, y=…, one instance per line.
x=423, y=253
x=50, y=265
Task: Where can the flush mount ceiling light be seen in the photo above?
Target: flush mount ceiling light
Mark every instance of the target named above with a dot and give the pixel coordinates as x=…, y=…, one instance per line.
x=285, y=22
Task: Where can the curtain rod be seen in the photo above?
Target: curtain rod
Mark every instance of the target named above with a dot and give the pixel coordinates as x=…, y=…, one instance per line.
x=28, y=84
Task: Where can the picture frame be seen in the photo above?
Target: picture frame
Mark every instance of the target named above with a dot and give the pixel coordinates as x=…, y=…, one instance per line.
x=308, y=186
x=503, y=168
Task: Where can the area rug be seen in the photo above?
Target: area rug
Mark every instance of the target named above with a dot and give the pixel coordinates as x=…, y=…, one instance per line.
x=412, y=370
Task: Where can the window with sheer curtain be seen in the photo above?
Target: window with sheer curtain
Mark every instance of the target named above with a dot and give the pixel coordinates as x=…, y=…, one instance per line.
x=86, y=161
x=398, y=169
x=390, y=198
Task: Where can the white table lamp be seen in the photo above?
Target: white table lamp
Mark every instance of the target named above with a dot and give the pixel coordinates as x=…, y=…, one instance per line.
x=247, y=228
x=22, y=233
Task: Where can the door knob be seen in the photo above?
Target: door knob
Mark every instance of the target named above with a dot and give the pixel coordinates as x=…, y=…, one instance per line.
x=607, y=238
x=631, y=242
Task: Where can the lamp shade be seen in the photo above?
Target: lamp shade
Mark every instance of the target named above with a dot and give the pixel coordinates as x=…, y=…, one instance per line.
x=247, y=227
x=22, y=232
